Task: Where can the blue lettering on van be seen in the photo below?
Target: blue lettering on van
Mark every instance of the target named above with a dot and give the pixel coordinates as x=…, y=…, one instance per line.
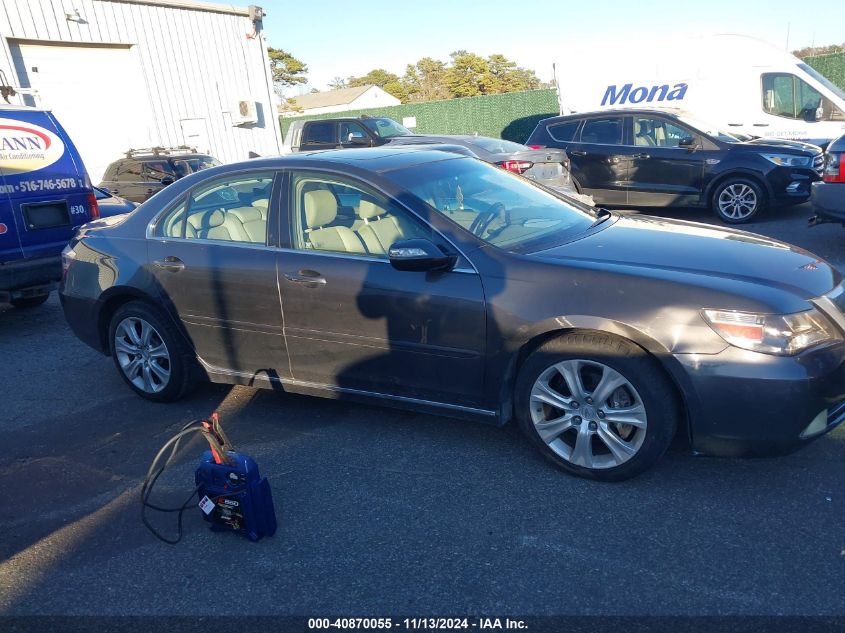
x=21, y=142
x=614, y=95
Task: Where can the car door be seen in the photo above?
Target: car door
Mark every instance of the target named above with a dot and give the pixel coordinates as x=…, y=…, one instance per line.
x=600, y=159
x=209, y=254
x=668, y=166
x=319, y=135
x=354, y=323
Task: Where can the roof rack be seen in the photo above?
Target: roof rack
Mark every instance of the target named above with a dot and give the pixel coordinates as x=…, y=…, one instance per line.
x=161, y=151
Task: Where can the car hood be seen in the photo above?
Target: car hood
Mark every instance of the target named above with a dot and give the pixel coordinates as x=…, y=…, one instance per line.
x=780, y=144
x=700, y=249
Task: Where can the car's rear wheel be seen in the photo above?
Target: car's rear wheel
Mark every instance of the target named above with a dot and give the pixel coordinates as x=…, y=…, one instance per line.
x=150, y=355
x=30, y=302
x=596, y=405
x=737, y=200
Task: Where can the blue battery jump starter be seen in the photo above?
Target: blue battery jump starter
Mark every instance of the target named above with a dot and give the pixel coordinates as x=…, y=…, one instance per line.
x=232, y=494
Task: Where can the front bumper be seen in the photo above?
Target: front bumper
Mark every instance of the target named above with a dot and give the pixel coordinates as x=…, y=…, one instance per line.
x=790, y=185
x=29, y=277
x=828, y=200
x=743, y=403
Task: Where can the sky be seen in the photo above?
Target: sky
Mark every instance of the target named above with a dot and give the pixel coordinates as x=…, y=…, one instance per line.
x=342, y=38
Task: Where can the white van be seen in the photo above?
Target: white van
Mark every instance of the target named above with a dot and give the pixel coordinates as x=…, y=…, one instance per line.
x=740, y=84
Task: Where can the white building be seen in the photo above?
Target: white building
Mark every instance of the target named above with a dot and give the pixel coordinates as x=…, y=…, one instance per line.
x=120, y=74
x=342, y=100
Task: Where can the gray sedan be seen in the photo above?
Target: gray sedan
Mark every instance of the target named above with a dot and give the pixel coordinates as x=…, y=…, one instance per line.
x=441, y=283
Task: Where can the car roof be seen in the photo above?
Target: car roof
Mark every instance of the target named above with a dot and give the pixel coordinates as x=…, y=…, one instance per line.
x=376, y=159
x=671, y=112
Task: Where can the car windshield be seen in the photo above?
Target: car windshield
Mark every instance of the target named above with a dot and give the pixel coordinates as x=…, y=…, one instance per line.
x=827, y=83
x=385, y=128
x=497, y=145
x=198, y=163
x=709, y=129
x=501, y=208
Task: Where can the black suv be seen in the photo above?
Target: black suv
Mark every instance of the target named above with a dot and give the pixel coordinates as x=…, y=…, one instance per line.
x=145, y=172
x=655, y=158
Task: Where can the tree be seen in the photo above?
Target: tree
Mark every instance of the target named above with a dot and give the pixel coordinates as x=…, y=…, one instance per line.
x=286, y=69
x=337, y=83
x=385, y=80
x=812, y=51
x=468, y=76
x=506, y=76
x=424, y=81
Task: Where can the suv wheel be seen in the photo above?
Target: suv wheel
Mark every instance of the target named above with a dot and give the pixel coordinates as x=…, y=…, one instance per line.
x=737, y=200
x=597, y=406
x=30, y=302
x=149, y=353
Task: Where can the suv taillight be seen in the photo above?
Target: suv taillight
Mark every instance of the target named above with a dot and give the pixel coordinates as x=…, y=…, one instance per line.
x=833, y=171
x=537, y=146
x=93, y=206
x=516, y=166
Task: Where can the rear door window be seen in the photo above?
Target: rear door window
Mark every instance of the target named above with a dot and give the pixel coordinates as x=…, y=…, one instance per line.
x=154, y=171
x=606, y=131
x=129, y=171
x=319, y=134
x=564, y=132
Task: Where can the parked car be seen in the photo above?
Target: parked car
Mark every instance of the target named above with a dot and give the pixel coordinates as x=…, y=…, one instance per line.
x=828, y=196
x=444, y=284
x=112, y=205
x=655, y=158
x=145, y=172
x=45, y=194
x=549, y=167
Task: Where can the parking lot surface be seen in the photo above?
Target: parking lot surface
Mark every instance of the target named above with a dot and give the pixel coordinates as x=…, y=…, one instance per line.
x=388, y=513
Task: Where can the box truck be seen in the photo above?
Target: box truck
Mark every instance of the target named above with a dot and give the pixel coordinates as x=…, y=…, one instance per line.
x=741, y=84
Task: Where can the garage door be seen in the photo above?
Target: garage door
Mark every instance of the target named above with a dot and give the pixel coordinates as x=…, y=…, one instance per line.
x=96, y=92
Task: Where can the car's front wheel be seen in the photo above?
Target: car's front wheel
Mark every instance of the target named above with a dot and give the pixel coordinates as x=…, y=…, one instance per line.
x=596, y=405
x=150, y=355
x=737, y=200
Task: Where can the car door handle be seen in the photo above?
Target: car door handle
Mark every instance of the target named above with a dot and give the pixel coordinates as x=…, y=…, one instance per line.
x=171, y=263
x=641, y=156
x=760, y=124
x=577, y=152
x=310, y=278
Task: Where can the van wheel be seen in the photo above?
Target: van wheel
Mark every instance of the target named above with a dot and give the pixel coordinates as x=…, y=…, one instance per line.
x=737, y=200
x=30, y=302
x=150, y=354
x=596, y=405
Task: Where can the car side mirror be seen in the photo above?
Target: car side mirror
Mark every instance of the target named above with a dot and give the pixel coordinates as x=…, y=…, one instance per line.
x=167, y=180
x=688, y=142
x=360, y=141
x=419, y=255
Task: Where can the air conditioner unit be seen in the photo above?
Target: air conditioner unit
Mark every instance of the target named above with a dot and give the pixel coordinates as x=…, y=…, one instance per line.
x=244, y=112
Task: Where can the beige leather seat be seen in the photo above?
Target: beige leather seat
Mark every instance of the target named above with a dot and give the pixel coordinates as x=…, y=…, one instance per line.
x=379, y=231
x=644, y=135
x=216, y=225
x=320, y=211
x=262, y=204
x=254, y=224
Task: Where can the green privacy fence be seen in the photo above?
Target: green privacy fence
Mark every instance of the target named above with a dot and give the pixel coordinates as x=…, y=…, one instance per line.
x=511, y=116
x=831, y=66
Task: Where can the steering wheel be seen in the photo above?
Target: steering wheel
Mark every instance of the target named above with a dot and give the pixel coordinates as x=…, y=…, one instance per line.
x=484, y=218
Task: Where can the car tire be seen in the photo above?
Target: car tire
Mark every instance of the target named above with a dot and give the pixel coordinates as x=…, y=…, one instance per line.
x=737, y=200
x=150, y=354
x=619, y=428
x=25, y=303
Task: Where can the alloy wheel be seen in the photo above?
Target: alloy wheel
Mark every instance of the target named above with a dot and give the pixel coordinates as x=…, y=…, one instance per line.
x=738, y=201
x=142, y=354
x=588, y=413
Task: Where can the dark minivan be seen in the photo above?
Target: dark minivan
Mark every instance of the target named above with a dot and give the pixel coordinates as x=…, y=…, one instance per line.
x=45, y=195
x=658, y=158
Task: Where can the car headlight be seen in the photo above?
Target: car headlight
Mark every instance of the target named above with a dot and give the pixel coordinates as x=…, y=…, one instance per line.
x=789, y=160
x=772, y=333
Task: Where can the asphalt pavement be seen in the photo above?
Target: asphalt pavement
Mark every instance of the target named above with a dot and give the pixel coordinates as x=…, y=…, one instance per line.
x=387, y=513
